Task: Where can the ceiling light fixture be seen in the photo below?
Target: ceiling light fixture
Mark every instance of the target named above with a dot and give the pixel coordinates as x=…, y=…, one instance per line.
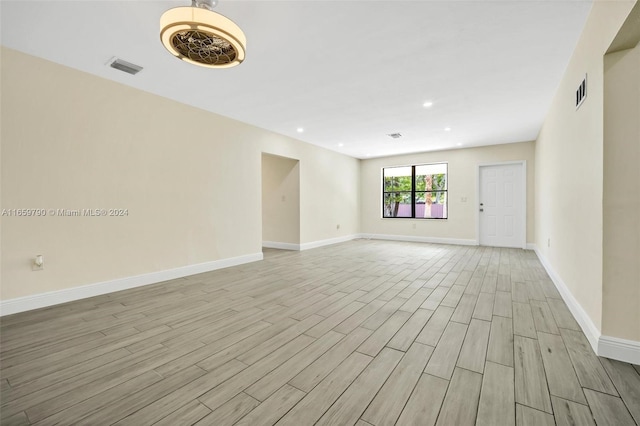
x=427, y=104
x=340, y=144
x=447, y=129
x=202, y=37
x=300, y=130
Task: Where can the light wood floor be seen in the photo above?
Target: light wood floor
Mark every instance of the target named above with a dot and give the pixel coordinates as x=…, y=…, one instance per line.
x=365, y=332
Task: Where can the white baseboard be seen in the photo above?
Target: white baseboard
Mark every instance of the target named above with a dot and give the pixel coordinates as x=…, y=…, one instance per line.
x=530, y=246
x=606, y=346
x=588, y=327
x=419, y=239
x=36, y=301
x=327, y=242
x=620, y=349
x=281, y=246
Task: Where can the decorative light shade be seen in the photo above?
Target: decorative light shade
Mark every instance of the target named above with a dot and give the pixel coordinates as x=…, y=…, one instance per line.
x=202, y=37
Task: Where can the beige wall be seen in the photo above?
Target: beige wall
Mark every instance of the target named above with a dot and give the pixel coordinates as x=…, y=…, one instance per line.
x=280, y=199
x=621, y=197
x=190, y=180
x=462, y=181
x=569, y=166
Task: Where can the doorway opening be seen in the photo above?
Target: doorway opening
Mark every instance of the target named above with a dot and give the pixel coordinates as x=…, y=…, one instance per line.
x=280, y=202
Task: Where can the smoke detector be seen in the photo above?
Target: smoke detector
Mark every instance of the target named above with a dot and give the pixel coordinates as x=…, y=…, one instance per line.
x=202, y=37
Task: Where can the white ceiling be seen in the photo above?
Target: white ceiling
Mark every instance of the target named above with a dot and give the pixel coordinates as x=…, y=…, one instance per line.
x=348, y=72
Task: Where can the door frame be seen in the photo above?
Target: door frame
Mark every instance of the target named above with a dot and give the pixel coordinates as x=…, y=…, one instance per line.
x=523, y=204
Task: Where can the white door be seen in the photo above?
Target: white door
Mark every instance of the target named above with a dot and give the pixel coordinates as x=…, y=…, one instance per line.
x=502, y=205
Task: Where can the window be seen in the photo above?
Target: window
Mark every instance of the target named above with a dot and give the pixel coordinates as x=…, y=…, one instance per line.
x=418, y=192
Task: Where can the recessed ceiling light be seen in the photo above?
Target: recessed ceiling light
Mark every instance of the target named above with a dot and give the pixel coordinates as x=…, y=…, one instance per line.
x=427, y=104
x=340, y=144
x=458, y=144
x=447, y=129
x=367, y=155
x=300, y=130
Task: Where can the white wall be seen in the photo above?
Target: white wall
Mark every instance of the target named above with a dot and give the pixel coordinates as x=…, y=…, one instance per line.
x=621, y=198
x=462, y=182
x=280, y=199
x=190, y=180
x=569, y=166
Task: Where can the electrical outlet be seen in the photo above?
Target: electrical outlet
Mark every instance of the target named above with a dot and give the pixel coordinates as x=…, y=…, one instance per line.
x=338, y=226
x=413, y=225
x=548, y=242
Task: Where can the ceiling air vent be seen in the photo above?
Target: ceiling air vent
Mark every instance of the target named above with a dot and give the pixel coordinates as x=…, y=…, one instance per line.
x=394, y=135
x=125, y=66
x=581, y=93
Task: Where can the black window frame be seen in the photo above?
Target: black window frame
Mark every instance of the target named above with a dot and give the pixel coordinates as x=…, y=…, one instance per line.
x=414, y=191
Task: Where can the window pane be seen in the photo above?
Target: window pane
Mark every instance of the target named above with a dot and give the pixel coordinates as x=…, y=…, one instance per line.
x=431, y=205
x=431, y=177
x=397, y=179
x=397, y=204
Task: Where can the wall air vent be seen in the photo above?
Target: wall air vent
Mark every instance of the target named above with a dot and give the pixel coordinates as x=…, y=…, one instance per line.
x=125, y=66
x=581, y=92
x=394, y=135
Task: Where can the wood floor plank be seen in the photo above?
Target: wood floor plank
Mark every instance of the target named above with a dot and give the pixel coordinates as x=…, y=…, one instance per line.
x=434, y=299
x=222, y=393
x=348, y=408
x=413, y=303
x=569, y=413
x=484, y=307
x=330, y=322
x=531, y=382
x=275, y=379
x=474, y=349
x=18, y=419
x=316, y=402
x=526, y=416
x=523, y=324
x=356, y=320
x=374, y=344
x=187, y=415
x=562, y=315
x=627, y=383
x=497, y=397
x=308, y=378
x=561, y=376
x=389, y=402
x=273, y=408
x=500, y=349
x=78, y=411
x=543, y=318
x=410, y=330
x=608, y=410
x=416, y=412
x=178, y=397
x=432, y=331
x=445, y=356
x=376, y=320
x=279, y=340
x=502, y=306
x=461, y=400
x=231, y=411
x=465, y=309
x=115, y=411
x=453, y=296
x=589, y=370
